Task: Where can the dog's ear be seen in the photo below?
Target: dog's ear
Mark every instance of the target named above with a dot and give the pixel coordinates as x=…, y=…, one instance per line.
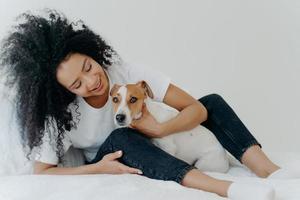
x=146, y=88
x=114, y=89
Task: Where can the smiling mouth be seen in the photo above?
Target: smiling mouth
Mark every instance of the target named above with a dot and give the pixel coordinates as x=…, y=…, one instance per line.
x=98, y=86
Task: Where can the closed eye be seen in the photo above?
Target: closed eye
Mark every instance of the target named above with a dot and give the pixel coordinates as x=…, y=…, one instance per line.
x=78, y=85
x=89, y=68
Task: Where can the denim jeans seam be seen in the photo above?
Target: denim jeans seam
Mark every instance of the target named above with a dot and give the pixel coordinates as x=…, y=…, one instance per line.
x=226, y=131
x=247, y=146
x=152, y=172
x=238, y=154
x=132, y=162
x=237, y=143
x=141, y=167
x=183, y=172
x=243, y=149
x=219, y=124
x=250, y=143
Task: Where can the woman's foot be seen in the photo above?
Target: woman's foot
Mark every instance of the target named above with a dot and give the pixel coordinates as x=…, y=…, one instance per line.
x=250, y=191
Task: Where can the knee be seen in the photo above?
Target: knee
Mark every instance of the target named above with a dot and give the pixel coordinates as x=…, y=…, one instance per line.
x=211, y=100
x=215, y=100
x=119, y=134
x=215, y=97
x=123, y=135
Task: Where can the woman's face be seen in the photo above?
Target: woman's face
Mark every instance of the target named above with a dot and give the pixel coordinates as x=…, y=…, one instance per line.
x=83, y=76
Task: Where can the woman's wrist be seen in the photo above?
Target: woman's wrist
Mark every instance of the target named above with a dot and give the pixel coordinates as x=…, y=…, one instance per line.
x=162, y=130
x=95, y=168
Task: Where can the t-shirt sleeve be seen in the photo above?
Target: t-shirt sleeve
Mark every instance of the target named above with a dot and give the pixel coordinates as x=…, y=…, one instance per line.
x=157, y=81
x=46, y=153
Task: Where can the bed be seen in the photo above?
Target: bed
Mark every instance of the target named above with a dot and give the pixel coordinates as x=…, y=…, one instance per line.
x=18, y=182
x=50, y=187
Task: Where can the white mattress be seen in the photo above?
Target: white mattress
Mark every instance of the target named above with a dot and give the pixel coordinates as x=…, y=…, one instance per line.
x=15, y=185
x=131, y=187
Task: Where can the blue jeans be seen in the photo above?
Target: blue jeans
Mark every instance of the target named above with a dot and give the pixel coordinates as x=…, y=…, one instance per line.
x=139, y=152
x=226, y=126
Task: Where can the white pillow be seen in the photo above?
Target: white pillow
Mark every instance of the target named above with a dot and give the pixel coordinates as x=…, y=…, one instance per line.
x=13, y=160
x=12, y=156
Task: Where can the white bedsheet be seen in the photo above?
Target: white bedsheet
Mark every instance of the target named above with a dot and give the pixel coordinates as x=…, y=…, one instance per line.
x=131, y=187
x=14, y=185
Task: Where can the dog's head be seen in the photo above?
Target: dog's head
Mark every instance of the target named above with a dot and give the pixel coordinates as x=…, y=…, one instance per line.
x=128, y=101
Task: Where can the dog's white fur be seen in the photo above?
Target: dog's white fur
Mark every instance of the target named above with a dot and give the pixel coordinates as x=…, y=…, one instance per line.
x=198, y=147
x=123, y=108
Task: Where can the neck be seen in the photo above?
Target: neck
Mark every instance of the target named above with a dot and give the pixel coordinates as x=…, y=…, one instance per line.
x=97, y=101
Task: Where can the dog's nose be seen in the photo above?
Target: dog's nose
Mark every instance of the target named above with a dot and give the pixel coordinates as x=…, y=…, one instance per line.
x=120, y=117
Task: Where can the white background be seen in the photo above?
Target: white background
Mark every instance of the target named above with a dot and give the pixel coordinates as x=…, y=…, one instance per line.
x=246, y=51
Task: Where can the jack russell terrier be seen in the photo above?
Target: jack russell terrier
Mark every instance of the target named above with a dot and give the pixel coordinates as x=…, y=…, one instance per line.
x=198, y=147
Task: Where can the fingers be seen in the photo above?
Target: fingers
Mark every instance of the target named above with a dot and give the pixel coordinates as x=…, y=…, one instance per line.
x=114, y=156
x=130, y=170
x=116, y=167
x=134, y=171
x=134, y=123
x=131, y=125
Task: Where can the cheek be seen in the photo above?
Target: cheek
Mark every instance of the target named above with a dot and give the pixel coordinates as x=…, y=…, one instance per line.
x=97, y=70
x=104, y=79
x=81, y=92
x=77, y=92
x=135, y=108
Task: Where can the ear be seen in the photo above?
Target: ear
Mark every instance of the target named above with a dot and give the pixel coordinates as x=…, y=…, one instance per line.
x=114, y=89
x=146, y=88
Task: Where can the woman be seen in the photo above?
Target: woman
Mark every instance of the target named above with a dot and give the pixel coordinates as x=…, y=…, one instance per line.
x=63, y=74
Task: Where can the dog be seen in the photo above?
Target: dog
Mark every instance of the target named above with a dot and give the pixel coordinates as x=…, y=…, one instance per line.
x=198, y=147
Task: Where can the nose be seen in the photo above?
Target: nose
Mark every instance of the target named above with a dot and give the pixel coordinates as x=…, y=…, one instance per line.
x=91, y=82
x=120, y=118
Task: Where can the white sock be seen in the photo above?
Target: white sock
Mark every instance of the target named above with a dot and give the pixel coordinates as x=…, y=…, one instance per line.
x=250, y=191
x=285, y=173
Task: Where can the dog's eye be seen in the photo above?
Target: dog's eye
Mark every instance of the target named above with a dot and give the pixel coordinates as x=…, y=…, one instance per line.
x=133, y=99
x=115, y=100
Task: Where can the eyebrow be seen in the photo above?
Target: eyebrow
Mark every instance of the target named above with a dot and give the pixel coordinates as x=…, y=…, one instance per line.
x=81, y=70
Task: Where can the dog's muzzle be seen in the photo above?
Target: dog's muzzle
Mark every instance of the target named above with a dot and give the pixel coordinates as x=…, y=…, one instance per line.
x=120, y=118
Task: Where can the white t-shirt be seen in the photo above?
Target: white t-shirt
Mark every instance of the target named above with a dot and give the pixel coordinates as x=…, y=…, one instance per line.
x=96, y=124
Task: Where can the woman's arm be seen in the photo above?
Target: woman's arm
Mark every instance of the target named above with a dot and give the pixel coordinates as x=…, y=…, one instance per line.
x=109, y=164
x=44, y=168
x=192, y=112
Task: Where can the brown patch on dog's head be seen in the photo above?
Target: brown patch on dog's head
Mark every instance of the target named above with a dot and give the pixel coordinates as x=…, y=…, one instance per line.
x=114, y=89
x=115, y=96
x=135, y=99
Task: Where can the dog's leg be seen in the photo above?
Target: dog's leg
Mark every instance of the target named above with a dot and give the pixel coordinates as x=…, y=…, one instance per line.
x=213, y=161
x=165, y=144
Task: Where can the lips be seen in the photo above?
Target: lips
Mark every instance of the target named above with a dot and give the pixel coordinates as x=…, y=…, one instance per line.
x=98, y=86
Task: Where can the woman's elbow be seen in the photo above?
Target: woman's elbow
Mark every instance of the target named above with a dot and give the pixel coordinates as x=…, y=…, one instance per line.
x=203, y=112
x=40, y=168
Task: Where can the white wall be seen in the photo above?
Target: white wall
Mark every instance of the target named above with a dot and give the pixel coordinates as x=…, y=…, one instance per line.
x=247, y=51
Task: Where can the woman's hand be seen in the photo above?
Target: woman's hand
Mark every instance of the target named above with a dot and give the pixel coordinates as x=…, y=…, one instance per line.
x=110, y=165
x=147, y=124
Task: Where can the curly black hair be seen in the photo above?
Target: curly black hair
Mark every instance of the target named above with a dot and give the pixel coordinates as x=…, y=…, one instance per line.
x=30, y=55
